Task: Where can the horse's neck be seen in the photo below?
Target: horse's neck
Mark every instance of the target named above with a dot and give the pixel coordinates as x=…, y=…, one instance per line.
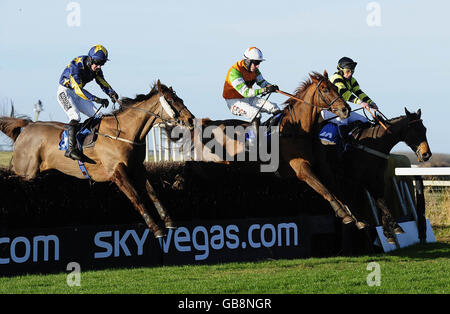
x=382, y=140
x=136, y=121
x=305, y=113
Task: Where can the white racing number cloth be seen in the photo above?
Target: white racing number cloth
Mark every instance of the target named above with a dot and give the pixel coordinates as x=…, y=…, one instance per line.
x=326, y=114
x=248, y=107
x=73, y=104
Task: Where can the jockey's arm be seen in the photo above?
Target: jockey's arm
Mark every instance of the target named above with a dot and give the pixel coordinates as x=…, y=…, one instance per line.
x=354, y=95
x=75, y=80
x=237, y=81
x=361, y=96
x=107, y=89
x=75, y=84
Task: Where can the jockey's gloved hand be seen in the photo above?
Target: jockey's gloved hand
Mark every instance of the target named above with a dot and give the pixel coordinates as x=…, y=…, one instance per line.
x=271, y=89
x=102, y=101
x=373, y=106
x=113, y=95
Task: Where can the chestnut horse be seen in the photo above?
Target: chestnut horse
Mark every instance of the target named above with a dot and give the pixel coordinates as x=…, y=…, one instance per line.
x=366, y=167
x=299, y=148
x=118, y=153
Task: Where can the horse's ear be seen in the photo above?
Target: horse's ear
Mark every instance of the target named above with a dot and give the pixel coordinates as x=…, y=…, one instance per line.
x=419, y=112
x=313, y=78
x=159, y=86
x=407, y=112
x=325, y=73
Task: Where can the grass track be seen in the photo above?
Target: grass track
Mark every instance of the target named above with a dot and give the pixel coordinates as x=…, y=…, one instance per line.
x=417, y=269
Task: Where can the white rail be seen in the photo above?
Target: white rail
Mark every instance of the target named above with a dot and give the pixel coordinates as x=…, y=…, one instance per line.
x=425, y=171
x=160, y=148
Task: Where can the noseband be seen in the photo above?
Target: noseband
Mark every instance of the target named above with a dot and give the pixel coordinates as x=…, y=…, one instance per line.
x=319, y=95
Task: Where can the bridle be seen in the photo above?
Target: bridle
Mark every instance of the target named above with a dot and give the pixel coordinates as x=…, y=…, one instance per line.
x=171, y=121
x=159, y=116
x=320, y=95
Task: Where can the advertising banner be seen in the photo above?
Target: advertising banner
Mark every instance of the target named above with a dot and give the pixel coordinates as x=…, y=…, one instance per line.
x=193, y=242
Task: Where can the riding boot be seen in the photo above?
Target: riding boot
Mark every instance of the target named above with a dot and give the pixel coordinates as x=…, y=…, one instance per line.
x=253, y=138
x=73, y=151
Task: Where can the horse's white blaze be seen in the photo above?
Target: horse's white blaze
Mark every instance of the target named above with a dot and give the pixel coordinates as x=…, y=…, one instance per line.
x=166, y=107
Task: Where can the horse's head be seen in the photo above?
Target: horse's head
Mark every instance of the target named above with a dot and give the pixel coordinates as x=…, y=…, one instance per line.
x=415, y=135
x=328, y=96
x=175, y=107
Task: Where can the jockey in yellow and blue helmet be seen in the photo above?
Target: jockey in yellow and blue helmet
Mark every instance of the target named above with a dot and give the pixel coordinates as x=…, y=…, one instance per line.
x=72, y=96
x=98, y=54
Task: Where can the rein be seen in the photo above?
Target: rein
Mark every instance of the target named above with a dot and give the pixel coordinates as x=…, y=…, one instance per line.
x=169, y=121
x=319, y=95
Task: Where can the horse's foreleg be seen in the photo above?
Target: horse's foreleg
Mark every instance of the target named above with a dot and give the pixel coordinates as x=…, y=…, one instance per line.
x=390, y=226
x=121, y=179
x=161, y=210
x=304, y=173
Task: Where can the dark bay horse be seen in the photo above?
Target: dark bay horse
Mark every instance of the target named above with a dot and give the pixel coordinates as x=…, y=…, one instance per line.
x=118, y=153
x=299, y=148
x=367, y=169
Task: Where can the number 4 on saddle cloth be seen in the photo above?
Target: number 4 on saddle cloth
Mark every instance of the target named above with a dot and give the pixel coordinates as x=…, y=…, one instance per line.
x=86, y=138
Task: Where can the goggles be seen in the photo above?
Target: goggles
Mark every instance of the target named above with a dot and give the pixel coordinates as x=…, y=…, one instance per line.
x=256, y=62
x=98, y=61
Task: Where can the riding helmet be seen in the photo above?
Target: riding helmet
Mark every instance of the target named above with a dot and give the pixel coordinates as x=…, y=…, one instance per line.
x=254, y=53
x=346, y=63
x=98, y=54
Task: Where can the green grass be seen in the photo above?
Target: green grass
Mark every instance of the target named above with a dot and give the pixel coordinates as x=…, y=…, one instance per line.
x=417, y=269
x=5, y=158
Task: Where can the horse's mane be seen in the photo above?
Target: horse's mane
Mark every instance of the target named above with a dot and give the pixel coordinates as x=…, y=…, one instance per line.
x=304, y=86
x=142, y=97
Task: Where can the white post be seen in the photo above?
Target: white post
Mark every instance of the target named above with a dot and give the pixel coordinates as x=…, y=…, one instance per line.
x=154, y=144
x=160, y=143
x=146, y=148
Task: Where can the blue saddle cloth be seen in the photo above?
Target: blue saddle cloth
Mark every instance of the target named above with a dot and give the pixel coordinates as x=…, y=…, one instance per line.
x=64, y=142
x=274, y=121
x=330, y=133
x=81, y=135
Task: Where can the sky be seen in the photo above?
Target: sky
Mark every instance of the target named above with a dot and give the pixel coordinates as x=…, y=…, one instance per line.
x=402, y=49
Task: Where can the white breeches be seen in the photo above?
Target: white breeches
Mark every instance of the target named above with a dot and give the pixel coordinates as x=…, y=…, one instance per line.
x=248, y=107
x=73, y=104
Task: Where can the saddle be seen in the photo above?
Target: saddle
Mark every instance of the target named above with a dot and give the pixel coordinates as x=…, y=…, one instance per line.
x=250, y=137
x=86, y=137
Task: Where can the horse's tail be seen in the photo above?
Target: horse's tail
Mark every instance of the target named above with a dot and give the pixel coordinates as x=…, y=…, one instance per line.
x=13, y=126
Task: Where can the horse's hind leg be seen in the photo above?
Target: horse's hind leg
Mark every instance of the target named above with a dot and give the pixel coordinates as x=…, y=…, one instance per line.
x=26, y=166
x=121, y=179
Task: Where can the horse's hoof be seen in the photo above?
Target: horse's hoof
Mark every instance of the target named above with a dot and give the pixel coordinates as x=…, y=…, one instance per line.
x=399, y=230
x=360, y=225
x=390, y=240
x=169, y=224
x=159, y=234
x=347, y=219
